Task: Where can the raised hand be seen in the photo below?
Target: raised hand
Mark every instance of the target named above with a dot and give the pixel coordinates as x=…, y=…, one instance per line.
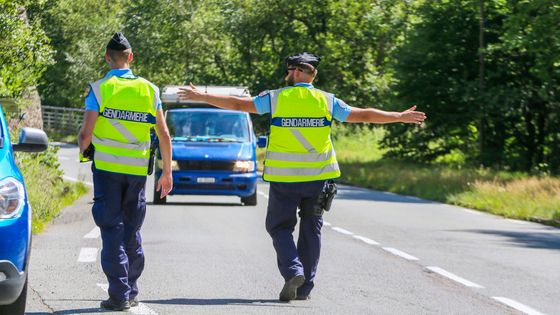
x=190, y=93
x=412, y=117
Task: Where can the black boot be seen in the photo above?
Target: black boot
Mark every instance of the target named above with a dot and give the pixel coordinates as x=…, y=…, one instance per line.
x=133, y=302
x=289, y=291
x=113, y=305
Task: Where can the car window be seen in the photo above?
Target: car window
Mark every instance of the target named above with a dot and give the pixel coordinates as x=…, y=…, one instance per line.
x=211, y=126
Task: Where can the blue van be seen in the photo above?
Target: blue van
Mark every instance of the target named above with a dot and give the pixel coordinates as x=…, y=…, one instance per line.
x=214, y=150
x=15, y=218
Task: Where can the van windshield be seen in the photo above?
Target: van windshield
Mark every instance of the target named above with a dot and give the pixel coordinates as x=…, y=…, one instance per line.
x=208, y=126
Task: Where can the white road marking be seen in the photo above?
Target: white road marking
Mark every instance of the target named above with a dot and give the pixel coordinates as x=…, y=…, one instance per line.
x=399, y=253
x=141, y=309
x=76, y=180
x=518, y=221
x=103, y=286
x=518, y=306
x=262, y=194
x=88, y=254
x=365, y=240
x=472, y=211
x=454, y=277
x=95, y=233
x=325, y=223
x=343, y=231
x=63, y=158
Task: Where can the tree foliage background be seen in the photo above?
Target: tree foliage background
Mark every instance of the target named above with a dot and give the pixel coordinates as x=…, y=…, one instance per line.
x=486, y=72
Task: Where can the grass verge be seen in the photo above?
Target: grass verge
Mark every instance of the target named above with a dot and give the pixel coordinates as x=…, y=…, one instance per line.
x=47, y=192
x=509, y=194
x=512, y=195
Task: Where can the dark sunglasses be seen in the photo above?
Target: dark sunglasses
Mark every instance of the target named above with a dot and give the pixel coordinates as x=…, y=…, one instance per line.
x=294, y=68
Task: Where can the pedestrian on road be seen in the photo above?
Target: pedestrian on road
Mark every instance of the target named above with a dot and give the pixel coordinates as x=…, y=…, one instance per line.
x=300, y=158
x=121, y=110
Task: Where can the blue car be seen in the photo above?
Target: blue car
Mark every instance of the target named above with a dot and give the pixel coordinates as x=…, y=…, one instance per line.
x=214, y=153
x=15, y=218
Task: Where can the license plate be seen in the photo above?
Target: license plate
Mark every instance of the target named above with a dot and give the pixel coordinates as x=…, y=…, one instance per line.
x=206, y=180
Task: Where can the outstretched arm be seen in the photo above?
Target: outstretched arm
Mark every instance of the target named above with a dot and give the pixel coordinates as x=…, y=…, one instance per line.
x=377, y=116
x=244, y=104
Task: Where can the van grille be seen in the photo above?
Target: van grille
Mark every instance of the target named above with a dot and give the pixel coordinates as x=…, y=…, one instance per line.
x=194, y=165
x=204, y=187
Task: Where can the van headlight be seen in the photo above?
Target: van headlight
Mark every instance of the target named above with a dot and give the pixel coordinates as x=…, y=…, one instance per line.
x=12, y=198
x=244, y=166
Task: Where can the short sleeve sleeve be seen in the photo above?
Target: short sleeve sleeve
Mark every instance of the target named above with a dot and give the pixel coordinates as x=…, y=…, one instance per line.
x=157, y=98
x=341, y=110
x=91, y=101
x=262, y=103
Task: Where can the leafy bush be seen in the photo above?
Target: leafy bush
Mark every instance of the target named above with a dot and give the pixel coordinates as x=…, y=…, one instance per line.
x=47, y=192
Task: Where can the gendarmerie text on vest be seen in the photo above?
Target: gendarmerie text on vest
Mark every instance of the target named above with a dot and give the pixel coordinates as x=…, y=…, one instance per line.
x=125, y=115
x=303, y=122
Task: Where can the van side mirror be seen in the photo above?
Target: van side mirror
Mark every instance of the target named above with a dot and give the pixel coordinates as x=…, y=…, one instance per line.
x=32, y=140
x=261, y=143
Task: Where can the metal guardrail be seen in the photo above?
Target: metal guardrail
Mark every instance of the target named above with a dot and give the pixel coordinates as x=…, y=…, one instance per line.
x=62, y=120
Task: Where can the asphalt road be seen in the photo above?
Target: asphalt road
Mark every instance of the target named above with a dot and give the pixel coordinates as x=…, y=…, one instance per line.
x=382, y=254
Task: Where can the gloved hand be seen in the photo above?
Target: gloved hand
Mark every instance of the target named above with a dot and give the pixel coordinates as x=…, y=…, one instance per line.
x=87, y=155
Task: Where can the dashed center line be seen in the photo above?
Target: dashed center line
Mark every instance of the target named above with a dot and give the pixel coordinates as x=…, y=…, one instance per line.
x=343, y=231
x=399, y=253
x=365, y=240
x=88, y=254
x=518, y=306
x=95, y=233
x=262, y=194
x=511, y=303
x=454, y=277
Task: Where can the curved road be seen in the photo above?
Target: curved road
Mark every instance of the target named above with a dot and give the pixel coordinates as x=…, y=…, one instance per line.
x=382, y=254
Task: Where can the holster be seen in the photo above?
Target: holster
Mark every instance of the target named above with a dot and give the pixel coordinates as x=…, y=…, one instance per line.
x=317, y=206
x=87, y=156
x=153, y=146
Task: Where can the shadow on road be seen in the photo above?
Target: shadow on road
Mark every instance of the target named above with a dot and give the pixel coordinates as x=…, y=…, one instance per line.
x=72, y=311
x=65, y=145
x=356, y=193
x=528, y=239
x=207, y=204
x=249, y=302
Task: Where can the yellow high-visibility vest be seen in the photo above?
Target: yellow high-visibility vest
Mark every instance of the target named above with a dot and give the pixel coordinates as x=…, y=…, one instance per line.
x=300, y=147
x=121, y=136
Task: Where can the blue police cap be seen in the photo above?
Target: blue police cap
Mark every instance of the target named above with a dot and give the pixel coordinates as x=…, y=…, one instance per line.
x=302, y=58
x=118, y=42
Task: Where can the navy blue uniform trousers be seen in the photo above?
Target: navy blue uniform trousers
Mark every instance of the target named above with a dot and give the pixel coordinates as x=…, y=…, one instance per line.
x=119, y=208
x=281, y=219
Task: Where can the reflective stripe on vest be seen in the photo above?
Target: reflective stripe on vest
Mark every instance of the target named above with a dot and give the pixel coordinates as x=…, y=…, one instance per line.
x=127, y=111
x=300, y=148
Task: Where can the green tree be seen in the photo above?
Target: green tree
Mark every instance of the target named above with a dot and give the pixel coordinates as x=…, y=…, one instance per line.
x=486, y=72
x=79, y=30
x=179, y=41
x=437, y=69
x=24, y=49
x=528, y=81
